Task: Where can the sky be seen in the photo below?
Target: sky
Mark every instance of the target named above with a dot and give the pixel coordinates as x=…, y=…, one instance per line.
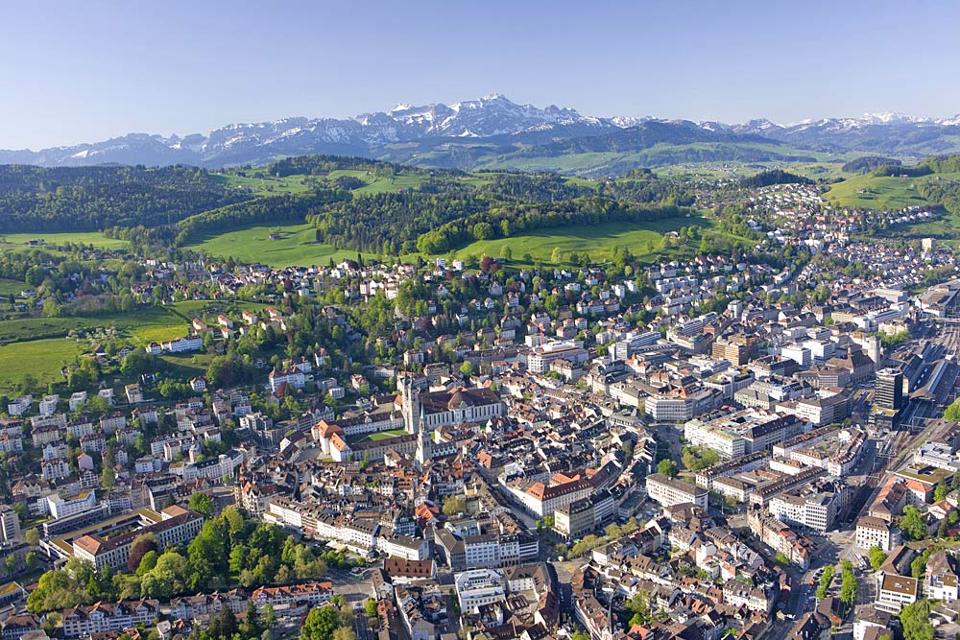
x=74, y=72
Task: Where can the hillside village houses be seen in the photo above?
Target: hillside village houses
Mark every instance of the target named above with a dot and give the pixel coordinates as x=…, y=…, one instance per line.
x=494, y=433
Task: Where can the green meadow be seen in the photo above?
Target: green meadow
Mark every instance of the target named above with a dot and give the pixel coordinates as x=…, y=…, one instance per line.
x=293, y=245
x=94, y=238
x=597, y=241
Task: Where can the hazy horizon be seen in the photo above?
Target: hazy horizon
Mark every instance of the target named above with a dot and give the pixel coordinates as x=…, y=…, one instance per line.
x=83, y=73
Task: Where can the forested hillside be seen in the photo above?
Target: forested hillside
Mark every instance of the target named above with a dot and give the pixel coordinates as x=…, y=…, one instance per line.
x=94, y=198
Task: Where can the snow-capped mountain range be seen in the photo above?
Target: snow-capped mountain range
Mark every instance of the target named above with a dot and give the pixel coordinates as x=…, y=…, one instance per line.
x=458, y=134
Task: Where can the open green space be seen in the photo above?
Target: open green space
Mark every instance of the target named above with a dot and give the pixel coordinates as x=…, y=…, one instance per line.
x=261, y=183
x=142, y=325
x=186, y=365
x=598, y=241
x=875, y=192
x=378, y=435
x=272, y=245
x=148, y=324
x=379, y=183
x=94, y=238
x=40, y=346
x=42, y=359
x=11, y=287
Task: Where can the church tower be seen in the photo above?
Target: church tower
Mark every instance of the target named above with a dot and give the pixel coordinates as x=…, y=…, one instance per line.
x=424, y=444
x=411, y=404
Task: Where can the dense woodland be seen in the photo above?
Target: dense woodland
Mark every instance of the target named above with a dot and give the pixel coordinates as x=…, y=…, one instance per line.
x=774, y=176
x=93, y=198
x=866, y=164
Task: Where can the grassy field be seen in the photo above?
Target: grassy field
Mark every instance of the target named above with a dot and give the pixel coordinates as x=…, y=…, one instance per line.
x=379, y=183
x=42, y=359
x=296, y=245
x=40, y=346
x=150, y=324
x=598, y=241
x=94, y=238
x=262, y=184
x=8, y=287
x=873, y=192
x=377, y=436
x=265, y=185
x=142, y=325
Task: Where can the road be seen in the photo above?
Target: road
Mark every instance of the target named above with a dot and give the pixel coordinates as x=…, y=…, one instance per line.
x=361, y=626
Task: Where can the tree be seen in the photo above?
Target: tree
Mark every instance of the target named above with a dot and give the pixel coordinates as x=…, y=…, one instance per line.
x=912, y=523
x=877, y=557
x=344, y=633
x=147, y=563
x=454, y=505
x=223, y=624
x=267, y=616
x=201, y=503
x=940, y=492
x=848, y=584
x=919, y=564
x=915, y=621
x=370, y=607
x=482, y=231
x=32, y=536
x=639, y=609
x=107, y=477
x=138, y=549
x=137, y=363
x=825, y=579
x=466, y=368
x=667, y=468
x=320, y=623
x=952, y=412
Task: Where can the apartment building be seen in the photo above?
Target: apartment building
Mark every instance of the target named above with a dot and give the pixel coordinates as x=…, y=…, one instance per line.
x=875, y=532
x=669, y=491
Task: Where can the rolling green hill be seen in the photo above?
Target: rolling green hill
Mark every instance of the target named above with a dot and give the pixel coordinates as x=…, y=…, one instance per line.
x=597, y=241
x=276, y=246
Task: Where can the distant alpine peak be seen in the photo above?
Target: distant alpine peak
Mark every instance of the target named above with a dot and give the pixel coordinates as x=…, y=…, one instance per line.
x=493, y=115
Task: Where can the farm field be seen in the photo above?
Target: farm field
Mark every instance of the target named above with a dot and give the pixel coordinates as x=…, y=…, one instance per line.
x=379, y=183
x=94, y=238
x=296, y=245
x=598, y=241
x=262, y=184
x=265, y=185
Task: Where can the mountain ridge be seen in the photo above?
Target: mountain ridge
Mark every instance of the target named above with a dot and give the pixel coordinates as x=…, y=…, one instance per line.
x=493, y=121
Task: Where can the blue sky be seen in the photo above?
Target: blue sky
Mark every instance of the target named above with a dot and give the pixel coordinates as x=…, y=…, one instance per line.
x=83, y=71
